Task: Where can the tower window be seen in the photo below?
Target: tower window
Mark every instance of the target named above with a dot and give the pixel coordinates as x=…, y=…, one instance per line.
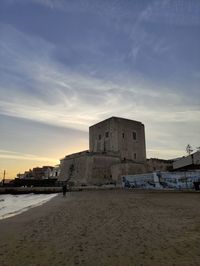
x=107, y=134
x=123, y=135
x=134, y=135
x=99, y=136
x=135, y=156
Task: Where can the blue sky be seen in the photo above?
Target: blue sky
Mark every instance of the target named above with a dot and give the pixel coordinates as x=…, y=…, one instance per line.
x=65, y=65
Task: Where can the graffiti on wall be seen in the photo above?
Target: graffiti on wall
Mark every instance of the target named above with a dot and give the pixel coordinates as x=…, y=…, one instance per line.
x=163, y=180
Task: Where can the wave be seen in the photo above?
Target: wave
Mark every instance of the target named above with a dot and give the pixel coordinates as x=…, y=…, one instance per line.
x=11, y=205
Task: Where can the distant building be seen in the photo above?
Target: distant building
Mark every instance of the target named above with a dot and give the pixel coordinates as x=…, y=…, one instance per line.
x=38, y=173
x=191, y=161
x=116, y=147
x=55, y=172
x=5, y=182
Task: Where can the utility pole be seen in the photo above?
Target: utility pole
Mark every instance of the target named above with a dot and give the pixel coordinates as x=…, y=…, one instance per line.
x=4, y=176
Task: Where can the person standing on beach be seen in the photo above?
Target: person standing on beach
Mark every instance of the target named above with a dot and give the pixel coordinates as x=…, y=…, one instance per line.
x=64, y=188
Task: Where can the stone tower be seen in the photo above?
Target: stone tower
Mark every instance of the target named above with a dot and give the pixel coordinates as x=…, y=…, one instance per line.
x=119, y=137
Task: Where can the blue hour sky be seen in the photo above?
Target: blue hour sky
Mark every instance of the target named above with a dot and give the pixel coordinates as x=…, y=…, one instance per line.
x=67, y=64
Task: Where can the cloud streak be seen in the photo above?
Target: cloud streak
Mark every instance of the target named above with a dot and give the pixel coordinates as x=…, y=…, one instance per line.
x=4, y=154
x=53, y=94
x=173, y=12
x=122, y=65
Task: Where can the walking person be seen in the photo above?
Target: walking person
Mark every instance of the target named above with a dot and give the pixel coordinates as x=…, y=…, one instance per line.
x=64, y=189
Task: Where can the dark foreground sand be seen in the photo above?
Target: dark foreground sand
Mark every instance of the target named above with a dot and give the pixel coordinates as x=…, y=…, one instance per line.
x=112, y=227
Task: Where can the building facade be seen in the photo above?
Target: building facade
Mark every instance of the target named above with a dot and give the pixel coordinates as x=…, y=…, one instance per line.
x=191, y=161
x=116, y=147
x=121, y=137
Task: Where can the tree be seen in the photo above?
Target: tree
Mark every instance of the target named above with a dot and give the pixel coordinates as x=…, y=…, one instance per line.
x=189, y=149
x=71, y=170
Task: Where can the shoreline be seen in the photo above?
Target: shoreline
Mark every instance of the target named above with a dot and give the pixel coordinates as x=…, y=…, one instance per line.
x=52, y=190
x=12, y=204
x=28, y=190
x=105, y=227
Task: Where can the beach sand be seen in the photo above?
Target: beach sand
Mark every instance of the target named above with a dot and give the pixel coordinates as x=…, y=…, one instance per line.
x=108, y=227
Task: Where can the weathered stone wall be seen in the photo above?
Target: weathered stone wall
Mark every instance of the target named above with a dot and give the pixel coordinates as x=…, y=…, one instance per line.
x=87, y=168
x=122, y=137
x=154, y=164
x=78, y=167
x=131, y=147
x=126, y=169
x=94, y=168
x=131, y=168
x=103, y=137
x=101, y=168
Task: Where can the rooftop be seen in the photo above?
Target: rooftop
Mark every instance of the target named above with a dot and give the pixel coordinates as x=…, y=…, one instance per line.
x=116, y=118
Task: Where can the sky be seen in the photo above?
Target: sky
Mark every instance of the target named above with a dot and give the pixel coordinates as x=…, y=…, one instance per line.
x=68, y=64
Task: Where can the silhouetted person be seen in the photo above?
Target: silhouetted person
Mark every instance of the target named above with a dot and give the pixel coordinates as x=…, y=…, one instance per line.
x=64, y=188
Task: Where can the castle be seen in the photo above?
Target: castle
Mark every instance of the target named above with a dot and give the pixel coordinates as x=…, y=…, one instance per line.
x=116, y=147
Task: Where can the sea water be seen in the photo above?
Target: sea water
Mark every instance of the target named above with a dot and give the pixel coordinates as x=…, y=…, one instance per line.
x=11, y=205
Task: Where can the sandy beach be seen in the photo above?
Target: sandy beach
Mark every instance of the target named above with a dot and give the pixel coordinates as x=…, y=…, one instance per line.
x=108, y=227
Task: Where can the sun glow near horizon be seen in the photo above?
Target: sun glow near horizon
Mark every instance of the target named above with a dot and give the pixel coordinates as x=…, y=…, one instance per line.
x=134, y=59
x=14, y=163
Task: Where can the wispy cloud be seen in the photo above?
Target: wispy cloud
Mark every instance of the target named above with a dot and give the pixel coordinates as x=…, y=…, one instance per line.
x=104, y=58
x=51, y=3
x=48, y=3
x=173, y=12
x=4, y=154
x=164, y=153
x=47, y=91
